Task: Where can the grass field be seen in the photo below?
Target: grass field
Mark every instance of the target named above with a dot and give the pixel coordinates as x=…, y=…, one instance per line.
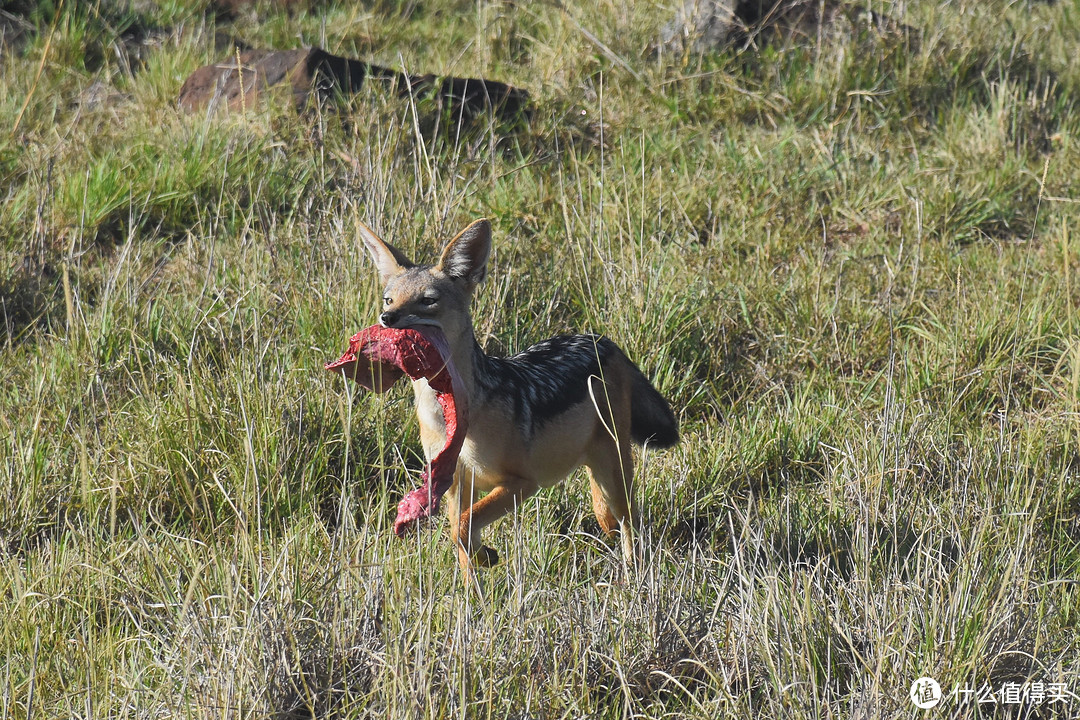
x=851, y=264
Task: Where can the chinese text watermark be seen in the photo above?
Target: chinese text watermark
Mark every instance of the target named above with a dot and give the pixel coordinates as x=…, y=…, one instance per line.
x=926, y=693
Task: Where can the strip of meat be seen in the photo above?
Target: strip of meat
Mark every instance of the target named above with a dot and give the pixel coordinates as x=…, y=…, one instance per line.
x=376, y=358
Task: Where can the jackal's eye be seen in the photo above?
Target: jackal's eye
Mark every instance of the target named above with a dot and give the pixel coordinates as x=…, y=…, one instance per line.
x=387, y=300
x=428, y=300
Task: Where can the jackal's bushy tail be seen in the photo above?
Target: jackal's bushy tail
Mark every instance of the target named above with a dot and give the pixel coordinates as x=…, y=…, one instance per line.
x=651, y=419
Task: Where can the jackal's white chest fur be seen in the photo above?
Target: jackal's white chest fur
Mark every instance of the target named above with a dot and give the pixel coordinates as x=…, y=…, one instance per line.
x=495, y=449
x=481, y=454
x=430, y=414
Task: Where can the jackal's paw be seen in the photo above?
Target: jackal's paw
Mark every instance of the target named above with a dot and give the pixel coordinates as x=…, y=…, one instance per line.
x=485, y=557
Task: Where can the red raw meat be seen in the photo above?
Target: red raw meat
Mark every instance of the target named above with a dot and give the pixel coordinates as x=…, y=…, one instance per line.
x=376, y=358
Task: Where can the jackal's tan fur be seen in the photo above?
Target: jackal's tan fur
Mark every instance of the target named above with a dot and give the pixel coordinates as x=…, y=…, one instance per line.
x=532, y=418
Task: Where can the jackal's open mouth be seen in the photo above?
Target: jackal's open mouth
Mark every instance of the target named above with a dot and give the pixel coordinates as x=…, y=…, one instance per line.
x=376, y=358
x=412, y=321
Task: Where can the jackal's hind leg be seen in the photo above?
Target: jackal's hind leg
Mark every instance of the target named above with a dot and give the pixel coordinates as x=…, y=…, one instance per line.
x=611, y=479
x=607, y=520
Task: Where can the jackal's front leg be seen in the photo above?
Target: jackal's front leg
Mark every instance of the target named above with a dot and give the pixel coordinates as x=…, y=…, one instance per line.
x=465, y=526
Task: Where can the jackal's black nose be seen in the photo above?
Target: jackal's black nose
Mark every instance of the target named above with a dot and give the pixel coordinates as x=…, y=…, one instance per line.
x=388, y=318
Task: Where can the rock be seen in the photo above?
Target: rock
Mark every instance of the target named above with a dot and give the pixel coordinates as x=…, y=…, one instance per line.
x=701, y=26
x=312, y=70
x=469, y=97
x=239, y=82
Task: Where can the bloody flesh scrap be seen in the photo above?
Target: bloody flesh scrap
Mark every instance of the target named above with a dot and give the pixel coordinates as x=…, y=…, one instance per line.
x=376, y=358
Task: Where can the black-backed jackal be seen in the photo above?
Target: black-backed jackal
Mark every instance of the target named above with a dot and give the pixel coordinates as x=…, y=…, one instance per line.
x=533, y=418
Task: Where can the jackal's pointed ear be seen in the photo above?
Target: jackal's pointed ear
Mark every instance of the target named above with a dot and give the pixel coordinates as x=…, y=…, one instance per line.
x=465, y=257
x=388, y=259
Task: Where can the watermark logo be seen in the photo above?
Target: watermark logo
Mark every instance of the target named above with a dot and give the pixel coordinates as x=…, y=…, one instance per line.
x=1014, y=693
x=925, y=693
